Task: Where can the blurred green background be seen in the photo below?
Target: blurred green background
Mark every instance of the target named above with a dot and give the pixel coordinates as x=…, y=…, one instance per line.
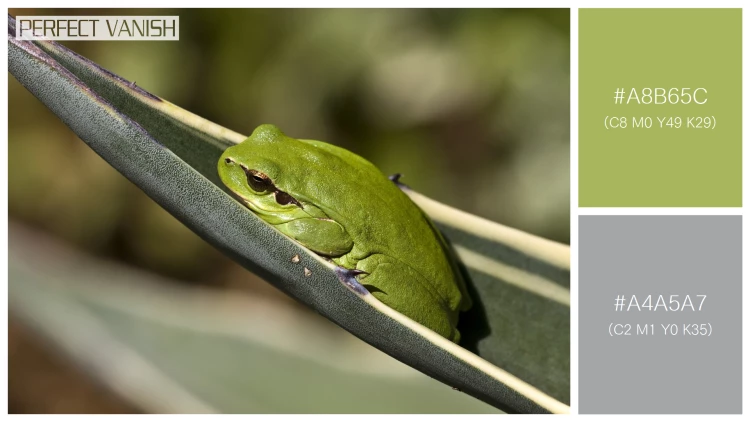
x=472, y=106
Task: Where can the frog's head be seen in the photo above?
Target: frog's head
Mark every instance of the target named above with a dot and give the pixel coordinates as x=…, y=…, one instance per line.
x=254, y=170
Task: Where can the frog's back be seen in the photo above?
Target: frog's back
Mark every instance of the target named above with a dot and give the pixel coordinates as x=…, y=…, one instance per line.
x=394, y=226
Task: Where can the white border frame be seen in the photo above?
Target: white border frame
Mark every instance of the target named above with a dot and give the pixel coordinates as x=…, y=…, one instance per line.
x=574, y=210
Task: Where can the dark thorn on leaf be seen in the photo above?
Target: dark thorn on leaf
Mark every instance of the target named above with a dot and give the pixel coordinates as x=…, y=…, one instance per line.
x=396, y=178
x=347, y=277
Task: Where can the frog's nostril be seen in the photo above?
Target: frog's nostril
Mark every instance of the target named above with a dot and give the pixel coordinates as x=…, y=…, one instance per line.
x=228, y=160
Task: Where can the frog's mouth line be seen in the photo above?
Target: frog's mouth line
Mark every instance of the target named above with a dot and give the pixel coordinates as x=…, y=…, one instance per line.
x=244, y=201
x=260, y=211
x=248, y=204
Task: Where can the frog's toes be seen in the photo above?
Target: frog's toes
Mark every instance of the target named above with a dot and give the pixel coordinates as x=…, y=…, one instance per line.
x=348, y=277
x=395, y=178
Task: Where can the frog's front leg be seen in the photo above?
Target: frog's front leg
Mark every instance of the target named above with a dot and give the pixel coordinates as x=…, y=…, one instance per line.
x=321, y=235
x=400, y=287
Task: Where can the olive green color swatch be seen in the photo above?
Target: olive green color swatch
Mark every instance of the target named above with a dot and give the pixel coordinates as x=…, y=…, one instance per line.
x=675, y=138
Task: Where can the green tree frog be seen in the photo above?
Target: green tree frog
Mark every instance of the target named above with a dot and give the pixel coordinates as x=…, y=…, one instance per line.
x=342, y=207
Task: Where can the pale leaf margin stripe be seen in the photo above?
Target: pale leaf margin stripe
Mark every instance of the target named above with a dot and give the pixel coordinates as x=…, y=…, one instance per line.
x=537, y=247
x=133, y=377
x=193, y=120
x=510, y=380
x=514, y=276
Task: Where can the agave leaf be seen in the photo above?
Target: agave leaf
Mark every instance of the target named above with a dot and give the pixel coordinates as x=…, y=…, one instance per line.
x=518, y=330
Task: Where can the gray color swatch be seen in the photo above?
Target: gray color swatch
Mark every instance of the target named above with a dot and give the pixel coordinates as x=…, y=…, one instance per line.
x=638, y=367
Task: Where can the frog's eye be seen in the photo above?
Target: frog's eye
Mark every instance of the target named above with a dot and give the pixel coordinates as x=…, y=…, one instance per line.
x=258, y=181
x=283, y=198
